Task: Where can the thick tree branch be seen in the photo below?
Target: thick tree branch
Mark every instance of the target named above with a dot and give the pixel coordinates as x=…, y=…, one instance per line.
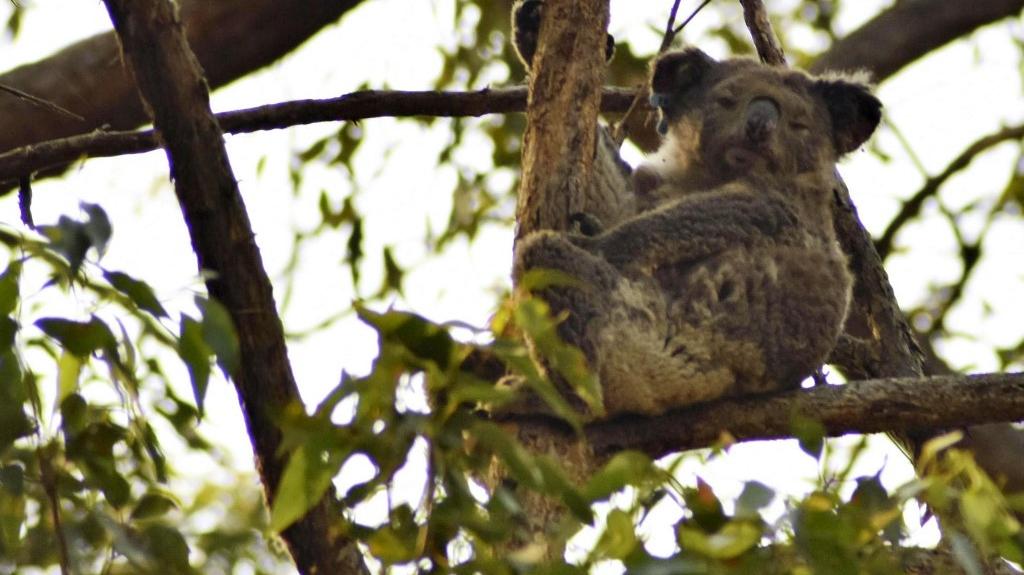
x=909, y=30
x=561, y=123
x=870, y=406
x=230, y=37
x=767, y=45
x=355, y=106
x=171, y=83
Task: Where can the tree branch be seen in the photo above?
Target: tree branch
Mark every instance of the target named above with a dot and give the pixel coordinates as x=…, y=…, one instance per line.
x=870, y=406
x=171, y=83
x=561, y=123
x=230, y=37
x=912, y=206
x=355, y=106
x=768, y=48
x=909, y=30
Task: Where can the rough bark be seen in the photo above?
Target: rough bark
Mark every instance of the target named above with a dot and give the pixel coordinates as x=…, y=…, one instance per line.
x=171, y=83
x=231, y=38
x=871, y=406
x=909, y=30
x=561, y=123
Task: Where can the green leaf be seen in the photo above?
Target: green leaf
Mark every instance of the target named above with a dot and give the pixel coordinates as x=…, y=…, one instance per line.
x=139, y=292
x=69, y=239
x=8, y=331
x=423, y=338
x=9, y=290
x=754, y=497
x=169, y=547
x=194, y=351
x=619, y=538
x=219, y=333
x=69, y=369
x=306, y=478
x=12, y=508
x=810, y=434
x=153, y=504
x=97, y=227
x=80, y=338
x=626, y=468
x=731, y=541
x=354, y=248
x=398, y=540
x=533, y=316
x=393, y=274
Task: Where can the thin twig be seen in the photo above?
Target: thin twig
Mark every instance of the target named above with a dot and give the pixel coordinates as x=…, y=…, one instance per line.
x=912, y=207
x=643, y=93
x=355, y=106
x=49, y=483
x=45, y=104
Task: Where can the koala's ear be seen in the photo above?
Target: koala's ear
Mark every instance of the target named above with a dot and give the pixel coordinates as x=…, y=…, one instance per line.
x=674, y=74
x=676, y=71
x=855, y=112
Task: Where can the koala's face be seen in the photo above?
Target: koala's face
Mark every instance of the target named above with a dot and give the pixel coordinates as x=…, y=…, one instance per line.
x=739, y=118
x=758, y=122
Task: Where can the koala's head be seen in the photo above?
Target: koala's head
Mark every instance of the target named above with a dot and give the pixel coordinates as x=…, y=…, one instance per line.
x=736, y=118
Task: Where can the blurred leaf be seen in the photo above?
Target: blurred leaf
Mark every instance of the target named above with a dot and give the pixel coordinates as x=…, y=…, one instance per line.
x=139, y=292
x=306, y=478
x=625, y=468
x=69, y=368
x=705, y=507
x=933, y=447
x=68, y=238
x=8, y=332
x=168, y=546
x=755, y=496
x=80, y=338
x=153, y=504
x=97, y=227
x=12, y=508
x=965, y=554
x=195, y=352
x=220, y=335
x=533, y=316
x=619, y=537
x=424, y=339
x=399, y=540
x=354, y=249
x=732, y=540
x=9, y=290
x=393, y=275
x=810, y=434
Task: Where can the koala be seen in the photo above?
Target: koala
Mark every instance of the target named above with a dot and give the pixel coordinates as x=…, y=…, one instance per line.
x=726, y=279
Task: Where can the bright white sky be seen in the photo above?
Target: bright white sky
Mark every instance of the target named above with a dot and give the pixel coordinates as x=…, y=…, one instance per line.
x=941, y=104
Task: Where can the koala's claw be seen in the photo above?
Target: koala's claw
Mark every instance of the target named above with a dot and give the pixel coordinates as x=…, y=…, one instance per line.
x=585, y=224
x=526, y=17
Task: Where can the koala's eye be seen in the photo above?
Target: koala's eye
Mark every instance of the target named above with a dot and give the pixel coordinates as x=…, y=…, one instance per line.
x=799, y=126
x=725, y=101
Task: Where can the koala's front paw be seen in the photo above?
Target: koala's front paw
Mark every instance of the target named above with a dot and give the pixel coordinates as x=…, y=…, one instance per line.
x=586, y=224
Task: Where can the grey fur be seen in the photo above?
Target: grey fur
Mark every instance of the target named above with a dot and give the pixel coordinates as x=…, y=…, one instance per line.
x=722, y=276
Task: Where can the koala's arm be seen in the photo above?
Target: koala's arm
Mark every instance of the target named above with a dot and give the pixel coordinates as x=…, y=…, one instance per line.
x=692, y=228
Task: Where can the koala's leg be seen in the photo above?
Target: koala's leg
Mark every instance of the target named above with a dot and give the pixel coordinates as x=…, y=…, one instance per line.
x=586, y=301
x=620, y=325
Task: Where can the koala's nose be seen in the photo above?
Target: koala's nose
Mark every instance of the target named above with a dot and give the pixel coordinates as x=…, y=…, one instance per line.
x=762, y=117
